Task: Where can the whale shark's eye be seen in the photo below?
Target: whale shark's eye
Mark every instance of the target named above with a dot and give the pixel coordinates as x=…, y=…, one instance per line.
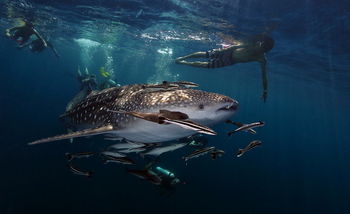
x=201, y=106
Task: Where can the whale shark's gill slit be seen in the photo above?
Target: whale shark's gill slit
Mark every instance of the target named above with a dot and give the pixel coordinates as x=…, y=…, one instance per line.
x=83, y=133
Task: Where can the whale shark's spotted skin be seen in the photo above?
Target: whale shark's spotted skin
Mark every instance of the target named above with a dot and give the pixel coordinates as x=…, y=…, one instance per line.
x=94, y=110
x=104, y=113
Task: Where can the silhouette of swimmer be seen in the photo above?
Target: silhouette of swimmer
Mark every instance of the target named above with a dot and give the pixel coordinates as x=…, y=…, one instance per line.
x=250, y=50
x=22, y=35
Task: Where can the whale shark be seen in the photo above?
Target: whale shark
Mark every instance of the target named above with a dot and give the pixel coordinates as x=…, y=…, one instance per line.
x=145, y=114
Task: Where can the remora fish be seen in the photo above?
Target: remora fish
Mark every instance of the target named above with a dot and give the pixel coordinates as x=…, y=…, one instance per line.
x=160, y=150
x=247, y=127
x=238, y=124
x=250, y=146
x=127, y=145
x=121, y=160
x=198, y=153
x=166, y=84
x=70, y=156
x=92, y=116
x=136, y=150
x=168, y=117
x=112, y=154
x=78, y=171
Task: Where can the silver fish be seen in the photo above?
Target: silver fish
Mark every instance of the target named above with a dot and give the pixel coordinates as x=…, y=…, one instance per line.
x=160, y=150
x=247, y=127
x=121, y=160
x=92, y=116
x=136, y=150
x=198, y=153
x=238, y=124
x=112, y=154
x=250, y=146
x=78, y=171
x=71, y=156
x=127, y=145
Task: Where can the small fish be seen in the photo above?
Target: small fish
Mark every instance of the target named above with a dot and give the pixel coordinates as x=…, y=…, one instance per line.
x=216, y=153
x=247, y=127
x=136, y=150
x=127, y=145
x=109, y=154
x=185, y=83
x=164, y=85
x=250, y=146
x=78, y=171
x=70, y=156
x=121, y=160
x=113, y=138
x=198, y=152
x=187, y=124
x=160, y=150
x=168, y=85
x=238, y=124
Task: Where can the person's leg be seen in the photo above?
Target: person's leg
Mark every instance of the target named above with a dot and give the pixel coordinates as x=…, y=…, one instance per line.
x=200, y=54
x=193, y=55
x=194, y=64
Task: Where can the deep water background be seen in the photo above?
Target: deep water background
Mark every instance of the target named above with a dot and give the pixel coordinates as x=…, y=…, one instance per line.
x=302, y=167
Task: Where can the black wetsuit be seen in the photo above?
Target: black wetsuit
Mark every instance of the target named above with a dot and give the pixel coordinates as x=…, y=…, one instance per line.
x=220, y=58
x=24, y=32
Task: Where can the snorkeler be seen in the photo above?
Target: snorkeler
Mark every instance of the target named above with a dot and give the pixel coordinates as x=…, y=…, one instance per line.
x=87, y=85
x=252, y=50
x=22, y=33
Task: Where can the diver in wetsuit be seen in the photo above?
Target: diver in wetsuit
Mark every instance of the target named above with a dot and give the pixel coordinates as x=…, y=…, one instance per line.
x=168, y=179
x=88, y=84
x=107, y=82
x=252, y=50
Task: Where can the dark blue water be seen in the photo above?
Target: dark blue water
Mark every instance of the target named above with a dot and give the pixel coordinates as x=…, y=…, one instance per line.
x=303, y=165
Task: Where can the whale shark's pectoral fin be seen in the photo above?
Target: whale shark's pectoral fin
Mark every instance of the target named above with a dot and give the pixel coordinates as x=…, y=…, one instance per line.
x=82, y=133
x=188, y=124
x=175, y=115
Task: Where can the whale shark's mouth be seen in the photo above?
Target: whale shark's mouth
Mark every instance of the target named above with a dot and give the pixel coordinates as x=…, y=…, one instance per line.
x=230, y=107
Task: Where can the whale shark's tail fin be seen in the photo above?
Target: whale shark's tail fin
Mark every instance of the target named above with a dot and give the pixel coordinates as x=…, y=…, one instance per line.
x=82, y=133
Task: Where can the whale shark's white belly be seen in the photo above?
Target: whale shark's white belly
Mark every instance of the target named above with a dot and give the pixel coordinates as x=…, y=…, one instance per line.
x=149, y=132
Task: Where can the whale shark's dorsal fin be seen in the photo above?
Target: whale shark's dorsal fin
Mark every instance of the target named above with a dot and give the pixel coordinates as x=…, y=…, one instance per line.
x=82, y=133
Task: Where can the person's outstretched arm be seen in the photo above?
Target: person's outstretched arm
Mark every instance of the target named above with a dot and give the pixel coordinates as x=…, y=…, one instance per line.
x=40, y=37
